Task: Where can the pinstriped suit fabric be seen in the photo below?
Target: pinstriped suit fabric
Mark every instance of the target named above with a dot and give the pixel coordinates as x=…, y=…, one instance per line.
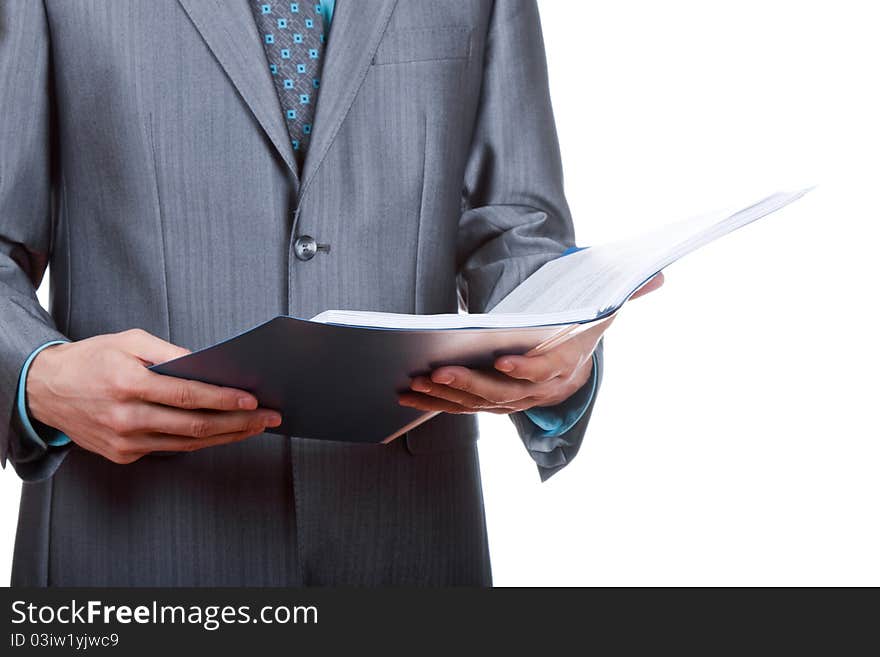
x=150, y=164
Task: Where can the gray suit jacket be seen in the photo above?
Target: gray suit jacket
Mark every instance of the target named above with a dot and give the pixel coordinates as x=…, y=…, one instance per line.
x=144, y=156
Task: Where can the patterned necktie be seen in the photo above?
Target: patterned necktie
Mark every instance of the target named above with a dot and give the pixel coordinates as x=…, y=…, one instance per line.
x=293, y=38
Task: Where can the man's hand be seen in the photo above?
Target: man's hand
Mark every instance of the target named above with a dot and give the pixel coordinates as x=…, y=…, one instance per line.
x=521, y=382
x=100, y=393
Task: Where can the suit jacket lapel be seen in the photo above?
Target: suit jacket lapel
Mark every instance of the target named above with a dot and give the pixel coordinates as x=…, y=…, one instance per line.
x=354, y=36
x=229, y=29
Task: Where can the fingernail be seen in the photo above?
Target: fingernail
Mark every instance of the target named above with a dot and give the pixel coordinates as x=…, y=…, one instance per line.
x=273, y=420
x=444, y=378
x=504, y=366
x=420, y=385
x=247, y=403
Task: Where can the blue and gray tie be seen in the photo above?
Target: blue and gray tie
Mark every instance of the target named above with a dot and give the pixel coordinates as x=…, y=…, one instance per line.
x=293, y=38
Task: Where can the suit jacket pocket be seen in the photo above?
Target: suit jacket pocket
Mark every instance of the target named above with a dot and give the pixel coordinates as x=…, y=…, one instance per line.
x=424, y=44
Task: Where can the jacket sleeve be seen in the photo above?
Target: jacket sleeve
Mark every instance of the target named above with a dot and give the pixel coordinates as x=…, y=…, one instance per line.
x=26, y=207
x=515, y=216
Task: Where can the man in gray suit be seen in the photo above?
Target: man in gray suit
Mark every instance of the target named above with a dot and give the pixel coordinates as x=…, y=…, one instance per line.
x=160, y=156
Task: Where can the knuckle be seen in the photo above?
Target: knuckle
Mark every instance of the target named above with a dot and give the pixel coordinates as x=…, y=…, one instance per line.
x=119, y=446
x=120, y=385
x=120, y=420
x=199, y=428
x=134, y=392
x=183, y=396
x=128, y=337
x=227, y=399
x=123, y=456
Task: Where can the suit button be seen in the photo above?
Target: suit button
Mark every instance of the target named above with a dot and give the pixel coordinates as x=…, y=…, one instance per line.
x=305, y=247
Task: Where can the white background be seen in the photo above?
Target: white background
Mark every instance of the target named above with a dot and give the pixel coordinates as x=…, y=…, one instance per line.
x=735, y=440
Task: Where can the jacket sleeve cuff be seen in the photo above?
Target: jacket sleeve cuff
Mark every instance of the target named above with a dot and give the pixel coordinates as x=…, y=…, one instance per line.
x=551, y=453
x=39, y=436
x=553, y=421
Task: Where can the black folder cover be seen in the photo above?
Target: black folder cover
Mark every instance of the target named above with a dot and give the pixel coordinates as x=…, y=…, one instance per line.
x=336, y=382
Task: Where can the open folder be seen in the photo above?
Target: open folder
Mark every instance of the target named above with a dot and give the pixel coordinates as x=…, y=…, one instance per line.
x=337, y=376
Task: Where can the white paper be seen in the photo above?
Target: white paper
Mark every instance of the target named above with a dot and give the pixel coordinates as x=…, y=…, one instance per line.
x=587, y=285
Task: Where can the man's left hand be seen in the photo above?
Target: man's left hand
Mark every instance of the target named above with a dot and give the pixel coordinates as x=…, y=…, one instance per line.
x=520, y=382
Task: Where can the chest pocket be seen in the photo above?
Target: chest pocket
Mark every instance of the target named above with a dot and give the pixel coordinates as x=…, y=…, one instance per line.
x=424, y=44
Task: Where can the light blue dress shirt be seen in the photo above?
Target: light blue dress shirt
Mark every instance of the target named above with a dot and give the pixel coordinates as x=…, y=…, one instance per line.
x=550, y=421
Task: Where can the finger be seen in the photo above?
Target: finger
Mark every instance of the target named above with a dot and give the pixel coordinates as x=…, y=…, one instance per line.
x=181, y=393
x=151, y=349
x=165, y=443
x=431, y=404
x=492, y=386
x=537, y=369
x=652, y=284
x=425, y=386
x=199, y=424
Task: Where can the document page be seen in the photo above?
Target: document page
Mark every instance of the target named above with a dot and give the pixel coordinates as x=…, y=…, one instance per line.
x=587, y=285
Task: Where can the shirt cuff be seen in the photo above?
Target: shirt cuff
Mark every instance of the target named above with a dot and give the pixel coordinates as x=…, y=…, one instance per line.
x=44, y=435
x=555, y=420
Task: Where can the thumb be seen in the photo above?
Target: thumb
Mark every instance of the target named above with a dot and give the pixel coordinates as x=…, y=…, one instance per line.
x=151, y=349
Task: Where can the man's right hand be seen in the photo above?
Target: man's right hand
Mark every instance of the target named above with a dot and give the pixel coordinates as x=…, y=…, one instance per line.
x=100, y=393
